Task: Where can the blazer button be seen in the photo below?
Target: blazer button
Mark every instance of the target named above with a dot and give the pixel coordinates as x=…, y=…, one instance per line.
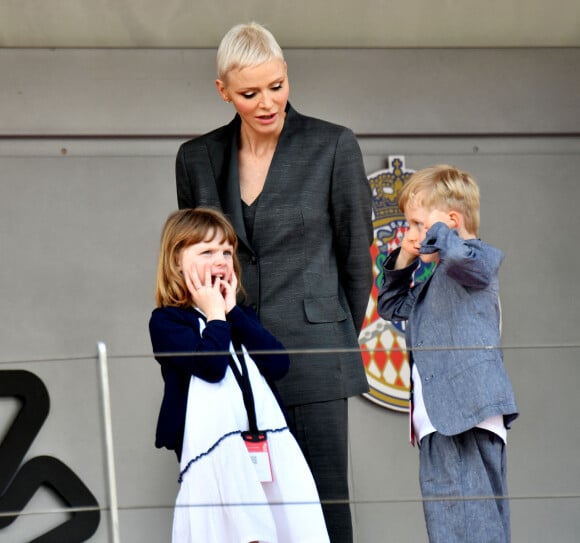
x=253, y=260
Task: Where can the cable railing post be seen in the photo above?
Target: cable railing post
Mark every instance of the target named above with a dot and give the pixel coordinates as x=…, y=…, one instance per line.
x=109, y=451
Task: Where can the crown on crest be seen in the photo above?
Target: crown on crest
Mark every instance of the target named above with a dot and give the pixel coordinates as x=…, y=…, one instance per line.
x=385, y=187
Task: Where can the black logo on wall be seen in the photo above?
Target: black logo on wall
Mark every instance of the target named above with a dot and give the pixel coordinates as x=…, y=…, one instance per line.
x=19, y=481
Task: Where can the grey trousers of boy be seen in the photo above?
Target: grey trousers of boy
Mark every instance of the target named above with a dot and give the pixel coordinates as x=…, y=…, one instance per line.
x=468, y=465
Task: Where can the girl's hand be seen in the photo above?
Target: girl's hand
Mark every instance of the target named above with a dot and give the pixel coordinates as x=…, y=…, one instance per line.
x=206, y=295
x=229, y=292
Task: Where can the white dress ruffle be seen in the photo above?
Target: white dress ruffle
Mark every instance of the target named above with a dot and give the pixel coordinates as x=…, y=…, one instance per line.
x=221, y=499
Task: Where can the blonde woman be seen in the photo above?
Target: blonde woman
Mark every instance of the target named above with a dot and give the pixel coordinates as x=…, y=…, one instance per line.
x=296, y=192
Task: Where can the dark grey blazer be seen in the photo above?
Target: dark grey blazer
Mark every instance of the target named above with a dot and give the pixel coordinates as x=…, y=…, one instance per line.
x=307, y=270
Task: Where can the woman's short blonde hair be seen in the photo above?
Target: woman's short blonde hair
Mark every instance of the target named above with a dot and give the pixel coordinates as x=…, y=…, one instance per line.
x=247, y=44
x=182, y=229
x=444, y=187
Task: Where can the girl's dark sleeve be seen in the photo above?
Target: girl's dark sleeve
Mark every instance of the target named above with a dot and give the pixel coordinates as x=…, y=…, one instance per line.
x=177, y=344
x=247, y=329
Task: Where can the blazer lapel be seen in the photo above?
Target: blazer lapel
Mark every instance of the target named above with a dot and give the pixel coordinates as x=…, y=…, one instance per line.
x=232, y=197
x=228, y=184
x=224, y=156
x=277, y=176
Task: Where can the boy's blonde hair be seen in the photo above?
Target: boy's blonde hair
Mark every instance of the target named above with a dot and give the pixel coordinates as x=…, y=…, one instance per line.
x=182, y=229
x=244, y=45
x=444, y=187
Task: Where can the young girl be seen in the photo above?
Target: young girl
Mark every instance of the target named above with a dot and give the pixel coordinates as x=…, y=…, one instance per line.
x=243, y=477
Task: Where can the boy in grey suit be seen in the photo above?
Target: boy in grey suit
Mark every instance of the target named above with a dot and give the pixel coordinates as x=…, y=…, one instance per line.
x=462, y=399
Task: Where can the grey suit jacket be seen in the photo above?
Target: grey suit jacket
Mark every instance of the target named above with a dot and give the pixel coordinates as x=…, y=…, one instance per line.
x=453, y=330
x=307, y=271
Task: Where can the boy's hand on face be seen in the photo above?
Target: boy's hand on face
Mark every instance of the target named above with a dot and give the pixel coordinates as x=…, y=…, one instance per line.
x=409, y=251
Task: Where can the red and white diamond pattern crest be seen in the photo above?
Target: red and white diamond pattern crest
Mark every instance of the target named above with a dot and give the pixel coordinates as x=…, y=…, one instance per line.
x=382, y=344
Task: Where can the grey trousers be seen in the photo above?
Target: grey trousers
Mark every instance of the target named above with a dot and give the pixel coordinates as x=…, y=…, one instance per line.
x=321, y=430
x=468, y=465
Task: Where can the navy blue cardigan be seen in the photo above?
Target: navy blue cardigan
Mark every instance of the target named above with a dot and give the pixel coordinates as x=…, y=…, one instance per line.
x=174, y=332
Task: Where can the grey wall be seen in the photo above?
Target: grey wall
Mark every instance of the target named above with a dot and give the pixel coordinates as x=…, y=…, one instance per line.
x=88, y=139
x=125, y=92
x=303, y=23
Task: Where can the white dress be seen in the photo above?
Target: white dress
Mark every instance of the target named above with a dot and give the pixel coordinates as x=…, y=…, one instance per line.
x=221, y=499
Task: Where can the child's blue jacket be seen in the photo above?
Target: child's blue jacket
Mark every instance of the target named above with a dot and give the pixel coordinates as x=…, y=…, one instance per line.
x=453, y=330
x=176, y=341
